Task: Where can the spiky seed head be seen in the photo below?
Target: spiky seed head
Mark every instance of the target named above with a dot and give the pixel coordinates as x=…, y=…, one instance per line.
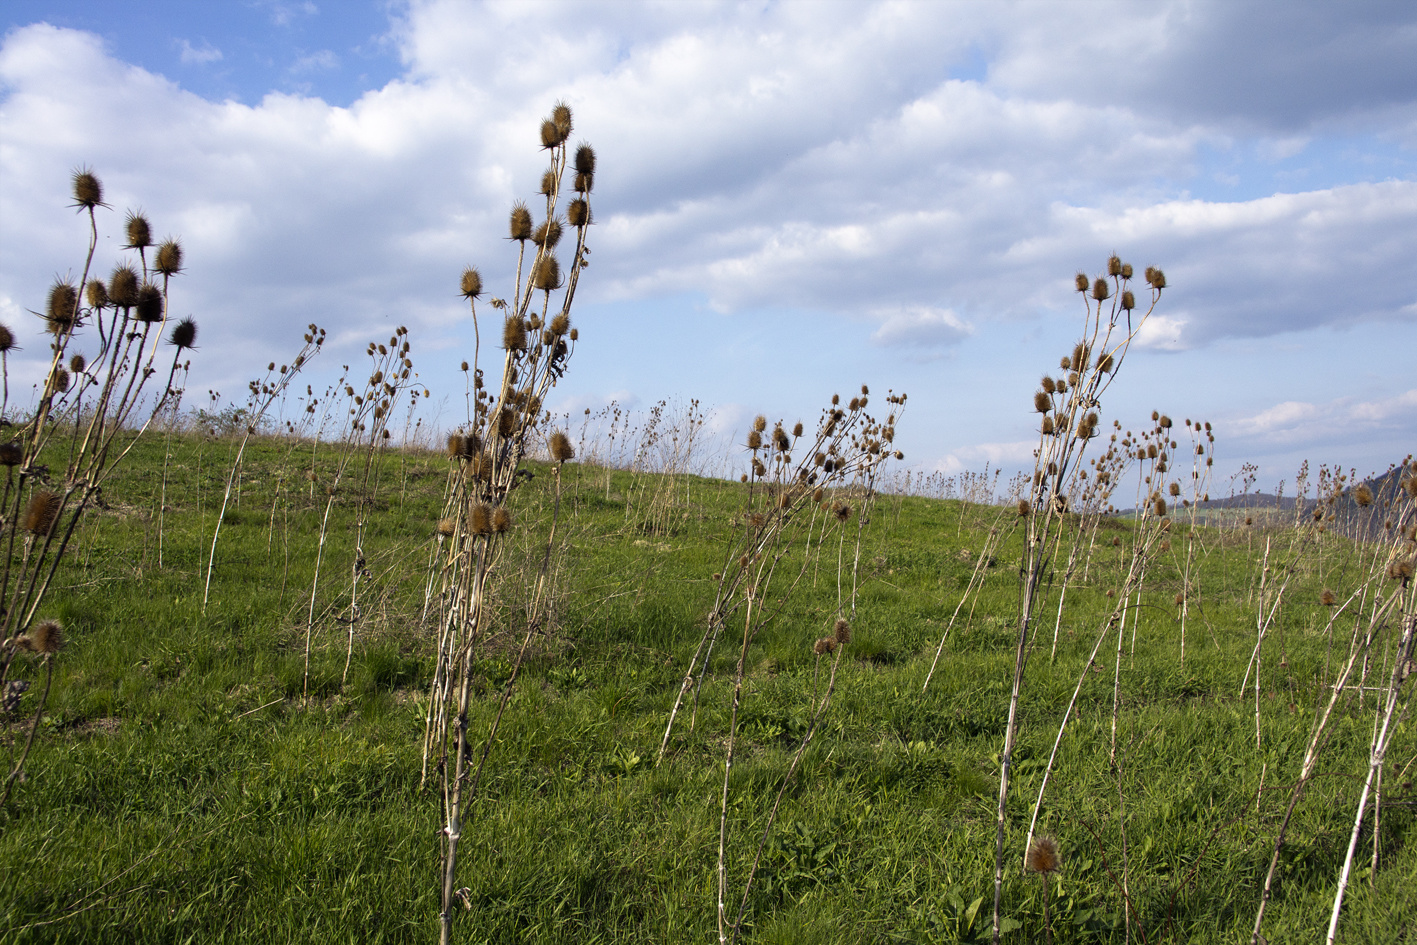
x=585, y=183
x=1047, y=425
x=574, y=334
x=1409, y=485
x=1159, y=506
x=1114, y=266
x=561, y=116
x=184, y=334
x=1106, y=363
x=560, y=445
x=547, y=274
x=1126, y=270
x=760, y=423
x=560, y=324
x=520, y=226
x=797, y=429
x=585, y=159
x=1363, y=495
x=123, y=286
x=457, y=445
x=1157, y=278
x=446, y=528
x=1024, y=508
x=550, y=137
x=824, y=647
x=62, y=312
x=501, y=520
x=1083, y=283
x=513, y=334
x=1101, y=290
x=479, y=520
x=169, y=257
x=140, y=234
x=1041, y=403
x=1175, y=489
x=755, y=440
x=780, y=440
x=1129, y=301
x=578, y=213
x=47, y=637
x=1042, y=855
x=61, y=380
x=1327, y=598
x=11, y=454
x=1400, y=570
x=1082, y=354
x=88, y=191
x=842, y=512
x=1180, y=598
x=818, y=494
x=842, y=631
x=42, y=512
x=471, y=284
x=548, y=234
x=506, y=422
x=97, y=294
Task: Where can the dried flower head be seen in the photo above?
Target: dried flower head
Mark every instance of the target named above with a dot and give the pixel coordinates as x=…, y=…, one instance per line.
x=139, y=232
x=824, y=647
x=519, y=226
x=470, y=284
x=501, y=520
x=514, y=334
x=1101, y=290
x=1327, y=598
x=184, y=334
x=47, y=637
x=578, y=212
x=42, y=512
x=1363, y=495
x=548, y=234
x=123, y=286
x=560, y=447
x=169, y=257
x=11, y=454
x=1041, y=402
x=149, y=308
x=479, y=520
x=88, y=191
x=1042, y=855
x=1024, y=508
x=62, y=312
x=755, y=440
x=842, y=631
x=446, y=528
x=546, y=276
x=1083, y=284
x=1106, y=363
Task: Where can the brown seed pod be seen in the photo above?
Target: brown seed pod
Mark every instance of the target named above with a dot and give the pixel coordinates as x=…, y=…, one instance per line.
x=47, y=637
x=519, y=226
x=578, y=212
x=1041, y=402
x=97, y=294
x=1159, y=506
x=169, y=257
x=560, y=447
x=1106, y=363
x=548, y=234
x=585, y=159
x=842, y=630
x=123, y=286
x=550, y=137
x=1082, y=282
x=501, y=520
x=760, y=423
x=561, y=117
x=1129, y=301
x=88, y=191
x=1047, y=425
x=1042, y=855
x=1101, y=291
x=60, y=380
x=62, y=312
x=140, y=234
x=560, y=324
x=446, y=528
x=755, y=440
x=824, y=647
x=548, y=183
x=514, y=334
x=77, y=363
x=457, y=446
x=506, y=422
x=1327, y=598
x=11, y=454
x=585, y=183
x=471, y=283
x=184, y=334
x=479, y=520
x=546, y=276
x=1114, y=266
x=1048, y=385
x=42, y=512
x=1363, y=495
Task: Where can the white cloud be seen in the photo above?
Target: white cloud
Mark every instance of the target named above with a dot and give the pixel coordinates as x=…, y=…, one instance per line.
x=192, y=55
x=997, y=455
x=1301, y=423
x=925, y=331
x=323, y=60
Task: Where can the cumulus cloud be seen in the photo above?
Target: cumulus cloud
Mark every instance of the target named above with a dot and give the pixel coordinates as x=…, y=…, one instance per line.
x=924, y=331
x=1302, y=423
x=200, y=56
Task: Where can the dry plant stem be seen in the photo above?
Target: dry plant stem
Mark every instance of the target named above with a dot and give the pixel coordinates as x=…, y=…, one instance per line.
x=1376, y=758
x=1311, y=756
x=976, y=581
x=738, y=675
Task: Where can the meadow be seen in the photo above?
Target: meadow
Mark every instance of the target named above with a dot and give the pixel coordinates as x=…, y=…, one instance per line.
x=190, y=785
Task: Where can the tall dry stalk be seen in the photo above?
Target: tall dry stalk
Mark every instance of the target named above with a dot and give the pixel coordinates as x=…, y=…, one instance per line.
x=1068, y=406
x=537, y=341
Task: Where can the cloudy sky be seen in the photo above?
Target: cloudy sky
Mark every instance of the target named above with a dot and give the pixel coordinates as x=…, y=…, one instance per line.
x=792, y=198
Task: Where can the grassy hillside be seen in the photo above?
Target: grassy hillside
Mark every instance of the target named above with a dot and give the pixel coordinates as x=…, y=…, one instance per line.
x=190, y=783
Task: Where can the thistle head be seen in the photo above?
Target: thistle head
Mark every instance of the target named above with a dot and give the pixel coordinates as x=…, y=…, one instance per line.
x=560, y=447
x=1042, y=854
x=123, y=286
x=184, y=334
x=88, y=191
x=169, y=257
x=62, y=312
x=471, y=284
x=149, y=307
x=140, y=235
x=520, y=226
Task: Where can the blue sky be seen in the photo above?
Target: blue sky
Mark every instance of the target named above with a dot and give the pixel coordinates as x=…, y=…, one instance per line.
x=793, y=199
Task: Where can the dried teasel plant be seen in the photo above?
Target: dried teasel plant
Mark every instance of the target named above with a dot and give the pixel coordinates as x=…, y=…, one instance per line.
x=96, y=399
x=486, y=468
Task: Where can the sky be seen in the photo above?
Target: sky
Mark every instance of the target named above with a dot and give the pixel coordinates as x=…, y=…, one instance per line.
x=792, y=199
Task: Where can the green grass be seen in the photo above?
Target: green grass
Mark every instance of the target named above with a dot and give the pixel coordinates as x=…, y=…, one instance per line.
x=181, y=790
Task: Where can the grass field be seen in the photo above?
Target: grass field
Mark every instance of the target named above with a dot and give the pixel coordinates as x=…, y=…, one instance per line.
x=185, y=786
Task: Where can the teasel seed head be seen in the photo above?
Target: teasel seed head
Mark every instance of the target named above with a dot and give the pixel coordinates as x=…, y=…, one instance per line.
x=755, y=440
x=471, y=283
x=123, y=286
x=501, y=520
x=1156, y=277
x=578, y=212
x=1041, y=403
x=1363, y=495
x=560, y=324
x=479, y=520
x=585, y=159
x=42, y=512
x=1129, y=301
x=61, y=380
x=842, y=631
x=139, y=232
x=548, y=234
x=547, y=274
x=1047, y=425
x=550, y=136
x=1042, y=855
x=446, y=528
x=1327, y=598
x=842, y=512
x=1401, y=570
x=560, y=447
x=1083, y=284
x=1106, y=363
x=1101, y=291
x=520, y=226
x=514, y=334
x=1082, y=354
x=47, y=637
x=1048, y=385
x=506, y=422
x=760, y=423
x=62, y=312
x=457, y=445
x=1159, y=506
x=11, y=454
x=97, y=294
x=561, y=116
x=797, y=429
x=780, y=440
x=184, y=334
x=1024, y=508
x=574, y=334
x=169, y=257
x=824, y=647
x=88, y=191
